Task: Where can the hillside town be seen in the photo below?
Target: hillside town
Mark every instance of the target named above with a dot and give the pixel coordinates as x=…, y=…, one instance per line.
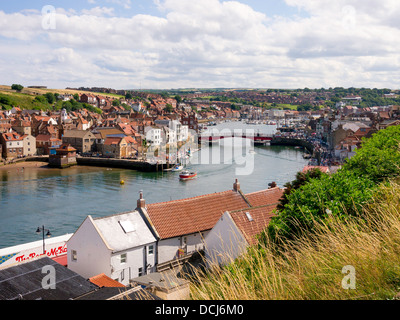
x=137, y=125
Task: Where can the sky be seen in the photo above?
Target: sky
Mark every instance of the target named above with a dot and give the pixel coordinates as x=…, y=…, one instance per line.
x=163, y=44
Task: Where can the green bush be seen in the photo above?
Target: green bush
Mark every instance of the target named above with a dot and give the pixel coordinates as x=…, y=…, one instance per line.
x=379, y=156
x=345, y=193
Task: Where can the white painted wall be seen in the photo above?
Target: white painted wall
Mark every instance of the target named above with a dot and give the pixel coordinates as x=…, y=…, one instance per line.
x=168, y=248
x=224, y=242
x=93, y=256
x=135, y=259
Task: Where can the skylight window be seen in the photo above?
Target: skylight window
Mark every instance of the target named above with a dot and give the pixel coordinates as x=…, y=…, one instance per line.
x=248, y=215
x=127, y=226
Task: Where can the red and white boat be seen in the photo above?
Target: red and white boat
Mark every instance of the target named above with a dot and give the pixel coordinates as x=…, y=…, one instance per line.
x=187, y=175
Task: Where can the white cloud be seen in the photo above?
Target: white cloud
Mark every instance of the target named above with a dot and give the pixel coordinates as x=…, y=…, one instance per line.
x=99, y=11
x=214, y=43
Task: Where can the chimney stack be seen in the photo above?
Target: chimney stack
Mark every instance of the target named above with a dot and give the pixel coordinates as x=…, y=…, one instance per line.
x=141, y=203
x=236, y=186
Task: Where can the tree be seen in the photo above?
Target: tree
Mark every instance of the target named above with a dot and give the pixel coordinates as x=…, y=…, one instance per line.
x=76, y=96
x=128, y=95
x=301, y=179
x=168, y=108
x=116, y=103
x=17, y=87
x=379, y=157
x=50, y=97
x=178, y=99
x=41, y=99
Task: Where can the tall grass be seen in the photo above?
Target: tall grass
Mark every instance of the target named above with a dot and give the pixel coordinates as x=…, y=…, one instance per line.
x=310, y=267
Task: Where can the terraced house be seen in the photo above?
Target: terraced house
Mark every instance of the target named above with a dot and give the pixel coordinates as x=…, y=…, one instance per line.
x=13, y=145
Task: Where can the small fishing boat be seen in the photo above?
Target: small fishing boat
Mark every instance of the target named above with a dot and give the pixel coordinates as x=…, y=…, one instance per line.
x=187, y=175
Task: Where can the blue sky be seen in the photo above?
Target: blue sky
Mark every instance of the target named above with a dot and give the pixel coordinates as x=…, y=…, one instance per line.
x=270, y=8
x=205, y=43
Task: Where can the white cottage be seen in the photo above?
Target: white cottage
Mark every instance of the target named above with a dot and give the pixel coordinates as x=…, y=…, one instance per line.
x=182, y=225
x=121, y=246
x=234, y=232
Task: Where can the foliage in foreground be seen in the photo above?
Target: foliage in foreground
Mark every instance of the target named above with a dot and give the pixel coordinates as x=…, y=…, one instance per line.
x=310, y=266
x=342, y=194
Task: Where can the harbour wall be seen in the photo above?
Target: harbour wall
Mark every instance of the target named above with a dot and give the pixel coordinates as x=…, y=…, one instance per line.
x=121, y=163
x=279, y=141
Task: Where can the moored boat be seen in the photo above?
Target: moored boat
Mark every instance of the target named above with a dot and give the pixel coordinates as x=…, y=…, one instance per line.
x=177, y=168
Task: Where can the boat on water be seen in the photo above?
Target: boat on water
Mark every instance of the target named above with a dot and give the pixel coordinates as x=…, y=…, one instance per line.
x=187, y=175
x=177, y=168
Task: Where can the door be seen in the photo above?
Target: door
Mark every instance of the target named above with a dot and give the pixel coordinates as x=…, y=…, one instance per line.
x=184, y=244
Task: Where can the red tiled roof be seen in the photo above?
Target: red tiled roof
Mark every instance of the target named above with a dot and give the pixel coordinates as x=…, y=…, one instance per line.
x=179, y=217
x=63, y=259
x=112, y=141
x=264, y=197
x=260, y=217
x=12, y=136
x=322, y=168
x=102, y=280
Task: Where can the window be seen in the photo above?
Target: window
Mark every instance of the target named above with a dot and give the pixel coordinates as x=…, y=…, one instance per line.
x=249, y=217
x=140, y=271
x=122, y=275
x=151, y=249
x=74, y=256
x=123, y=258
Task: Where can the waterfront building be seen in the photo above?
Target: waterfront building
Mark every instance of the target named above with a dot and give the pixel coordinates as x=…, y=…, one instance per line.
x=53, y=248
x=182, y=225
x=82, y=140
x=29, y=145
x=64, y=157
x=13, y=145
x=46, y=144
x=121, y=246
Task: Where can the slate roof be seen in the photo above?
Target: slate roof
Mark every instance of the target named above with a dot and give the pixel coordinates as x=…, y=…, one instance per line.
x=113, y=233
x=24, y=282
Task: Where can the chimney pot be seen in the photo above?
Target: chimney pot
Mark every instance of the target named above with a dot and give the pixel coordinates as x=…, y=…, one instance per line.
x=141, y=203
x=236, y=185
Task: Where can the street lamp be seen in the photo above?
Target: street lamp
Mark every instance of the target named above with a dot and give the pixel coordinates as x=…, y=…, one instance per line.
x=48, y=234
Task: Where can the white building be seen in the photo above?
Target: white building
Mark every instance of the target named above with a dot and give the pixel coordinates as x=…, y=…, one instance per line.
x=153, y=136
x=234, y=232
x=182, y=131
x=137, y=106
x=169, y=136
x=121, y=246
x=29, y=145
x=182, y=225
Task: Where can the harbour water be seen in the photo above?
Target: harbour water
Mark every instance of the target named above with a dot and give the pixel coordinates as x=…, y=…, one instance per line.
x=60, y=199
